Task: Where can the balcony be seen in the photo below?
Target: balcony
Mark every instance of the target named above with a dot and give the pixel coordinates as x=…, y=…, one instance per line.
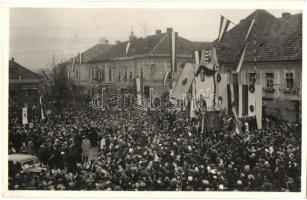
x=293, y=91
x=269, y=90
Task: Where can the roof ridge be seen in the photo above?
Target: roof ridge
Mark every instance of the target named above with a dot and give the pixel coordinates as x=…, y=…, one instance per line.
x=158, y=43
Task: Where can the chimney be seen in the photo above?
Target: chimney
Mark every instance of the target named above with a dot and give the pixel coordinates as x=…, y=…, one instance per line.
x=285, y=14
x=169, y=30
x=12, y=59
x=117, y=42
x=103, y=40
x=158, y=32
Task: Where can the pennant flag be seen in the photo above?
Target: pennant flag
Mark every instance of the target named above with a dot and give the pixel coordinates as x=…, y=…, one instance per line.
x=224, y=23
x=243, y=51
x=184, y=82
x=41, y=105
x=25, y=115
x=173, y=37
x=127, y=48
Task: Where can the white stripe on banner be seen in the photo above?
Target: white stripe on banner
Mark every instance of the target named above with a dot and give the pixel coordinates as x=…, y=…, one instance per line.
x=42, y=111
x=221, y=91
x=197, y=61
x=138, y=90
x=258, y=109
x=232, y=95
x=240, y=100
x=251, y=102
x=173, y=51
x=25, y=115
x=250, y=29
x=241, y=59
x=127, y=47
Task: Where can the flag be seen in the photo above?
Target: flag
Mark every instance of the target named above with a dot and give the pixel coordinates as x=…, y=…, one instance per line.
x=138, y=91
x=243, y=51
x=236, y=121
x=80, y=59
x=151, y=96
x=193, y=106
x=197, y=56
x=184, y=82
x=73, y=64
x=241, y=59
x=221, y=90
x=42, y=110
x=127, y=48
x=25, y=115
x=224, y=23
x=258, y=105
x=173, y=37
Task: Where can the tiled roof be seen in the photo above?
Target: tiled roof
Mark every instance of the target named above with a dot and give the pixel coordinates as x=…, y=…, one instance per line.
x=154, y=45
x=16, y=70
x=277, y=39
x=93, y=52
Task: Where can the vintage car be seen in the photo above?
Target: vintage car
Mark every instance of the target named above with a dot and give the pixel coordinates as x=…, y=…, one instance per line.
x=26, y=163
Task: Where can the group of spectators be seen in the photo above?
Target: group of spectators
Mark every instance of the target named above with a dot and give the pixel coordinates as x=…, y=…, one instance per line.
x=153, y=150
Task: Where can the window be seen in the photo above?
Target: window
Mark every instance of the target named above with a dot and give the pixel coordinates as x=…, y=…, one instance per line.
x=289, y=80
x=126, y=74
x=102, y=77
x=130, y=76
x=97, y=73
x=119, y=76
x=110, y=74
x=252, y=78
x=269, y=80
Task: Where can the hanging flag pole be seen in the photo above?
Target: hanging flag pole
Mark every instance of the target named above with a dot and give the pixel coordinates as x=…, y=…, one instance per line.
x=173, y=37
x=243, y=51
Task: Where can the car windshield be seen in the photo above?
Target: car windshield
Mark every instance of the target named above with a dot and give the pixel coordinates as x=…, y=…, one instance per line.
x=30, y=163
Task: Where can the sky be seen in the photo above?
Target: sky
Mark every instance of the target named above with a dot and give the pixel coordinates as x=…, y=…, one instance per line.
x=36, y=34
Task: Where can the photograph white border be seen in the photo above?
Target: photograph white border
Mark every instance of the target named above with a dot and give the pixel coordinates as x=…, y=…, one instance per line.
x=4, y=43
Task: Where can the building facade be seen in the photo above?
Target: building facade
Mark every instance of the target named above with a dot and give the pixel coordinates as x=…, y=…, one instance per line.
x=78, y=68
x=273, y=58
x=145, y=58
x=24, y=85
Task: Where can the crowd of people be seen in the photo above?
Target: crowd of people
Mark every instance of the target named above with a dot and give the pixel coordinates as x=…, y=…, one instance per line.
x=153, y=151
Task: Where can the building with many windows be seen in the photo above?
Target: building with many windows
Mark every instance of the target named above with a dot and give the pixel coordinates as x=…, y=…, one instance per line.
x=147, y=58
x=273, y=57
